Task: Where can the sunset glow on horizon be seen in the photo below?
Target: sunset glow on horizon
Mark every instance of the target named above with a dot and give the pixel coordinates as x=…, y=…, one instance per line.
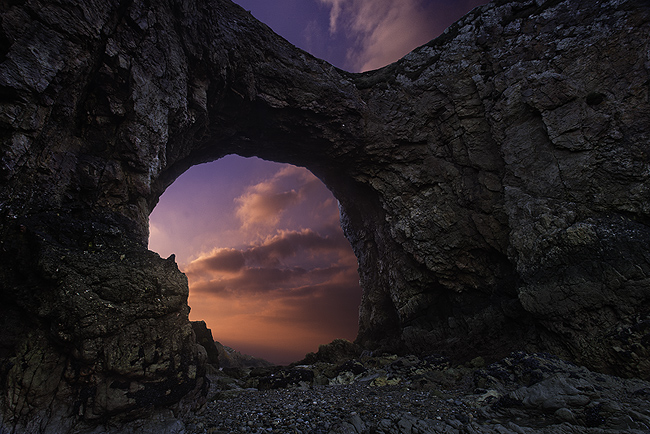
x=268, y=266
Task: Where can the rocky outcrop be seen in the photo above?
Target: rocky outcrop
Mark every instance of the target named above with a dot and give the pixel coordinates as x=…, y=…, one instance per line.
x=204, y=338
x=493, y=184
x=96, y=329
x=337, y=351
x=232, y=360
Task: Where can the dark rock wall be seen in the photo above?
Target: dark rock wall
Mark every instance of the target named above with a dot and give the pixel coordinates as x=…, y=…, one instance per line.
x=511, y=160
x=493, y=184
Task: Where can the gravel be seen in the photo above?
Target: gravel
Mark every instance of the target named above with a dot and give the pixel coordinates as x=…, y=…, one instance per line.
x=322, y=408
x=520, y=394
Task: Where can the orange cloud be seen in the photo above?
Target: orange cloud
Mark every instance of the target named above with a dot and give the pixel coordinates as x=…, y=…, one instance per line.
x=288, y=260
x=223, y=260
x=263, y=204
x=290, y=243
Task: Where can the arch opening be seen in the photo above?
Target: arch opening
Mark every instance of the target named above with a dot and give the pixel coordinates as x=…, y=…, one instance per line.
x=268, y=266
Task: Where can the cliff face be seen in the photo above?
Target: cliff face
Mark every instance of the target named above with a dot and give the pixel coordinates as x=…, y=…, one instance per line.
x=493, y=183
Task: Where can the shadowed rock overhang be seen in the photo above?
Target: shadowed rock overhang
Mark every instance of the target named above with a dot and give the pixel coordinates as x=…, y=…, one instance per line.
x=493, y=183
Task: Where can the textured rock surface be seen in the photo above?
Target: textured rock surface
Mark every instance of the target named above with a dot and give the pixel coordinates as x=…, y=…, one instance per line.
x=233, y=360
x=204, y=338
x=493, y=183
x=96, y=327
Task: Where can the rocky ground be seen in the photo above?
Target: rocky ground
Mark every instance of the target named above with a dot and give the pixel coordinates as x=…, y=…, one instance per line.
x=523, y=393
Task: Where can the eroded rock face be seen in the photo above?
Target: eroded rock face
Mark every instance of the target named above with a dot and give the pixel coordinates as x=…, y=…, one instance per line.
x=96, y=327
x=493, y=184
x=204, y=338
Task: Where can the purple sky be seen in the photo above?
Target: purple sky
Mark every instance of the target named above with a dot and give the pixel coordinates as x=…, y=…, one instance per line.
x=268, y=266
x=359, y=35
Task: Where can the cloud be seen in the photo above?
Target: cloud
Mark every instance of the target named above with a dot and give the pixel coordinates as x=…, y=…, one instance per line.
x=283, y=278
x=283, y=244
x=282, y=329
x=383, y=31
x=251, y=281
x=290, y=243
x=223, y=260
x=290, y=283
x=288, y=261
x=331, y=307
x=335, y=12
x=263, y=204
x=260, y=205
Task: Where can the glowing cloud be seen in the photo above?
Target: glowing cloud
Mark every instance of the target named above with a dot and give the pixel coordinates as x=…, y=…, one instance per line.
x=288, y=261
x=263, y=204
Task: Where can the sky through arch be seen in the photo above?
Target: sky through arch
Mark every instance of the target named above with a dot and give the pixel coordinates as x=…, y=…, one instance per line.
x=268, y=266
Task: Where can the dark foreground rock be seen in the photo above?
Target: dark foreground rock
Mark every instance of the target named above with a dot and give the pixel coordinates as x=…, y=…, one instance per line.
x=523, y=393
x=112, y=340
x=204, y=338
x=493, y=183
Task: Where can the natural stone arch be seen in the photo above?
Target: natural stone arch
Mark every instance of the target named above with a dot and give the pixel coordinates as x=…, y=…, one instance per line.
x=493, y=185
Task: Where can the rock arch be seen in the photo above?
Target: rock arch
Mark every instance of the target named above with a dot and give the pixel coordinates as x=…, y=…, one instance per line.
x=493, y=184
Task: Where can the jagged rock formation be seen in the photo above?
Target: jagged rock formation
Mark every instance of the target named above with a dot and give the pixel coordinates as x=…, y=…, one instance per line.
x=204, y=338
x=493, y=183
x=232, y=360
